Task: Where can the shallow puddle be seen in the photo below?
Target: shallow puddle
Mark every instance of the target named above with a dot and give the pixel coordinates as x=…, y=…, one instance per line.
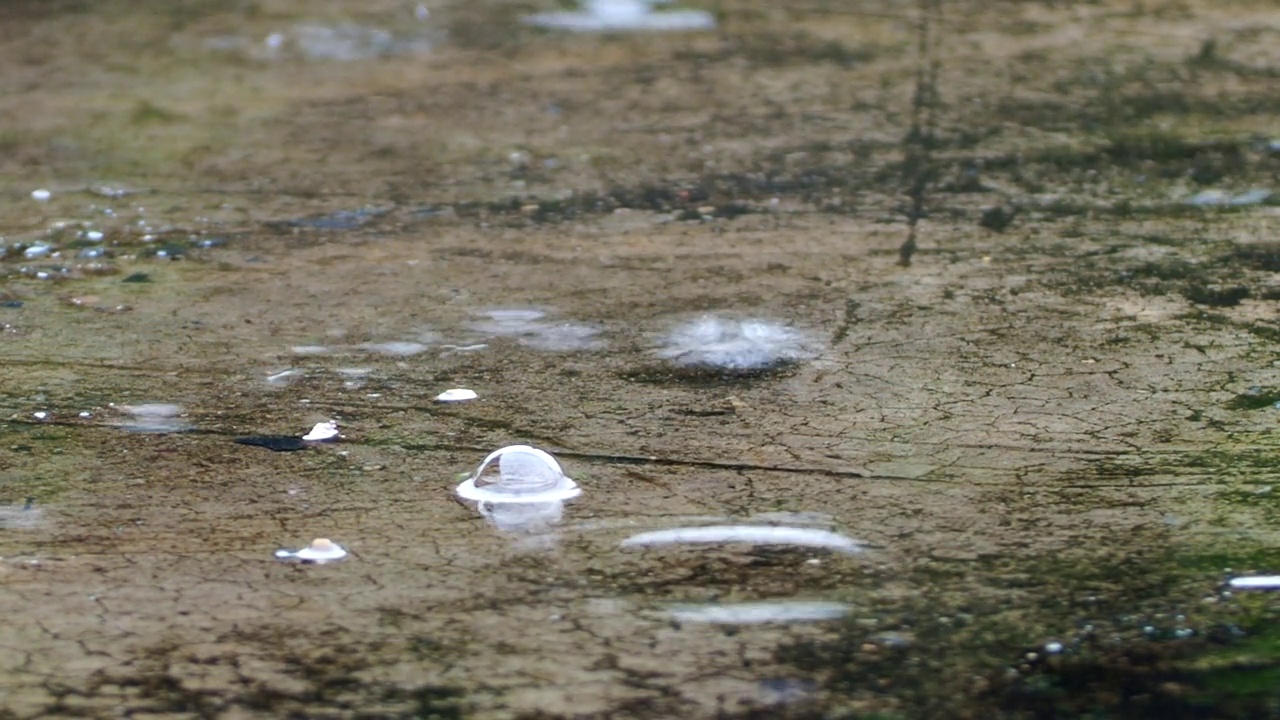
x=903, y=361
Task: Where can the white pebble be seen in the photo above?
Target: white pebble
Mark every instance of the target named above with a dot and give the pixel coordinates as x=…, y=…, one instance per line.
x=41, y=195
x=457, y=395
x=1053, y=648
x=93, y=235
x=41, y=415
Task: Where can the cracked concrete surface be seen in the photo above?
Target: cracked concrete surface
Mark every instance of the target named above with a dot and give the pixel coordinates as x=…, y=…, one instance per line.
x=1036, y=428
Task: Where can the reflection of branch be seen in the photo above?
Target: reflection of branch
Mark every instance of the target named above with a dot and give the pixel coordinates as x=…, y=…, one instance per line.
x=918, y=144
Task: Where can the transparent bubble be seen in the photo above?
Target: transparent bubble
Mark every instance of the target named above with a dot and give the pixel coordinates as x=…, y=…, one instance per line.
x=518, y=474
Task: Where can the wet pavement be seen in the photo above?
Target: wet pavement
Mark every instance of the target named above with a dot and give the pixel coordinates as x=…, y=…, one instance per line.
x=900, y=360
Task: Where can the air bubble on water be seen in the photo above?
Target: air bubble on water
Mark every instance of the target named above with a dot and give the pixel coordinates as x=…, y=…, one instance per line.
x=519, y=489
x=518, y=474
x=725, y=343
x=319, y=552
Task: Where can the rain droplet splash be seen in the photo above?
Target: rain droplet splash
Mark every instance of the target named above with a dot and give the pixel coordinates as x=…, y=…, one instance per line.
x=319, y=552
x=731, y=344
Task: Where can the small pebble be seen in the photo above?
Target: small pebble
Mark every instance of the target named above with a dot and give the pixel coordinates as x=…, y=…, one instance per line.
x=41, y=195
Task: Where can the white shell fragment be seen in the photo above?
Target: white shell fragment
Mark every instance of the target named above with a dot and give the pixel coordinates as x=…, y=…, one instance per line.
x=457, y=395
x=1256, y=582
x=320, y=551
x=760, y=612
x=323, y=432
x=523, y=475
x=749, y=534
